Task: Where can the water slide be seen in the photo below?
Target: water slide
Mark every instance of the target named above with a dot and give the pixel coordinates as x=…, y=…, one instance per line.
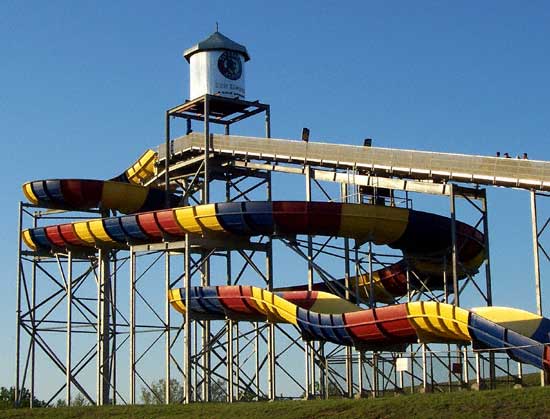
x=123, y=193
x=424, y=239
x=323, y=316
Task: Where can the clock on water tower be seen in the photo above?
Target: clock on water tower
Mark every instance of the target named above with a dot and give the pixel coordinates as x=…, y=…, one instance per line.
x=217, y=67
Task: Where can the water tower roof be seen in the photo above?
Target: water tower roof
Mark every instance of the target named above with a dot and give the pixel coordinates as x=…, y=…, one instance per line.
x=217, y=41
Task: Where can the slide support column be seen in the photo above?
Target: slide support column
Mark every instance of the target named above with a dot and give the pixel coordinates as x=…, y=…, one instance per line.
x=536, y=260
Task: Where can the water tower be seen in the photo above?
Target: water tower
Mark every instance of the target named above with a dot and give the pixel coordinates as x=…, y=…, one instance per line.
x=217, y=67
x=217, y=96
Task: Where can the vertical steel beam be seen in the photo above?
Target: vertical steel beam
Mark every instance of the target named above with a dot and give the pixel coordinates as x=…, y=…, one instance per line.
x=194, y=368
x=375, y=377
x=206, y=186
x=309, y=354
x=257, y=360
x=132, y=321
x=114, y=329
x=307, y=369
x=412, y=356
x=535, y=230
x=323, y=374
x=488, y=282
x=431, y=371
x=17, y=390
x=229, y=323
x=312, y=369
x=357, y=275
x=309, y=237
x=269, y=267
x=269, y=275
x=449, y=370
x=206, y=263
x=372, y=300
x=99, y=328
x=206, y=364
x=167, y=157
x=456, y=289
x=237, y=359
x=106, y=332
x=230, y=361
x=360, y=373
x=167, y=334
x=272, y=360
x=349, y=353
x=424, y=368
x=478, y=370
x=445, y=281
x=536, y=260
x=33, y=320
x=187, y=326
x=104, y=305
x=68, y=361
x=466, y=371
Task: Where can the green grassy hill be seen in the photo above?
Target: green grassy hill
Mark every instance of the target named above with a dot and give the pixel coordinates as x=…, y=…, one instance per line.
x=509, y=403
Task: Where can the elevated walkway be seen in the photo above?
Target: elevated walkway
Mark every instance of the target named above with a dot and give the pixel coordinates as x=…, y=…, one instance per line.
x=384, y=162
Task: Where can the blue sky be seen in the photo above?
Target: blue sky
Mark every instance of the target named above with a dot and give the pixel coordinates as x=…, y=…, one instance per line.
x=84, y=87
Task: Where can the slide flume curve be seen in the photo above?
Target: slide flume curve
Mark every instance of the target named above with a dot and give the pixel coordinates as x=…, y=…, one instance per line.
x=424, y=238
x=322, y=316
x=123, y=193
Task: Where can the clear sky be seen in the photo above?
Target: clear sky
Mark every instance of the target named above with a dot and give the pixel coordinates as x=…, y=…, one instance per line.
x=84, y=87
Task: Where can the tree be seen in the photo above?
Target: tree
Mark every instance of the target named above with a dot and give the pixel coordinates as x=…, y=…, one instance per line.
x=60, y=403
x=218, y=391
x=154, y=393
x=78, y=400
x=333, y=390
x=7, y=398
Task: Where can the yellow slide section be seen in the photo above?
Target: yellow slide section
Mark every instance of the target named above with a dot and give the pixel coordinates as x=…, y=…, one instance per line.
x=380, y=225
x=327, y=303
x=134, y=196
x=31, y=197
x=519, y=321
x=143, y=169
x=436, y=321
x=198, y=219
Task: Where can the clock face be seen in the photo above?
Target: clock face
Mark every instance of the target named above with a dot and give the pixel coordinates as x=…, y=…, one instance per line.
x=230, y=65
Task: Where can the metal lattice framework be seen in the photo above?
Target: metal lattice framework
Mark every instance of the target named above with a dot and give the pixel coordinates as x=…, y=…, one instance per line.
x=80, y=318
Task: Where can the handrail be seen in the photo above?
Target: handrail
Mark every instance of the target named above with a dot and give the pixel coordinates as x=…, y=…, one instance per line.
x=408, y=164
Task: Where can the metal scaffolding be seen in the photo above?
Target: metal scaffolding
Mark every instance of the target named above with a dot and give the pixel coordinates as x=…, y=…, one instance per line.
x=75, y=308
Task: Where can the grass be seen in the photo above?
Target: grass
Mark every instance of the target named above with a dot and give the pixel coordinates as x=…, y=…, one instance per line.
x=507, y=403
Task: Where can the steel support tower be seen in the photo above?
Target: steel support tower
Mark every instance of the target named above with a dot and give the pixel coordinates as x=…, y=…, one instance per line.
x=94, y=322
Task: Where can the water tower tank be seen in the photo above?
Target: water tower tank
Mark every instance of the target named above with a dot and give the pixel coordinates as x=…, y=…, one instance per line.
x=217, y=67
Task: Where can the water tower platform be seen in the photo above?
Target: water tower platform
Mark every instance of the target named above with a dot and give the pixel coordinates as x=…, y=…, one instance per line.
x=220, y=110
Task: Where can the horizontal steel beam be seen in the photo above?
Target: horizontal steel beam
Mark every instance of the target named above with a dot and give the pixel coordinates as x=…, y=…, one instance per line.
x=383, y=162
x=202, y=243
x=407, y=185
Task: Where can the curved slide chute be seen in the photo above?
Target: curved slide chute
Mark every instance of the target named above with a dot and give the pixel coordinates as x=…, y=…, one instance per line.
x=322, y=316
x=424, y=238
x=124, y=193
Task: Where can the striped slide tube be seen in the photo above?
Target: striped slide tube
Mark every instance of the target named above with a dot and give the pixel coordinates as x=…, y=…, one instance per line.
x=419, y=235
x=123, y=193
x=522, y=335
